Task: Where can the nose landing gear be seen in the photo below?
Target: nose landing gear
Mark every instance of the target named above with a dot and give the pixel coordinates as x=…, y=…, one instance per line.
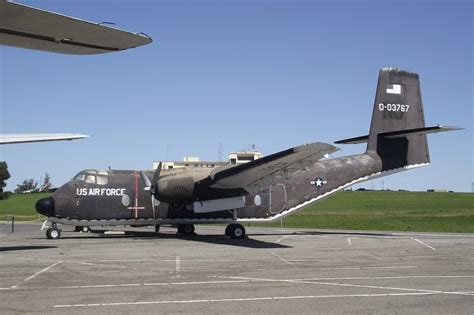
x=53, y=232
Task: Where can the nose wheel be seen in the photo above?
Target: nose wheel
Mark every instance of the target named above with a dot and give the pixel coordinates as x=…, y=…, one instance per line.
x=235, y=231
x=53, y=233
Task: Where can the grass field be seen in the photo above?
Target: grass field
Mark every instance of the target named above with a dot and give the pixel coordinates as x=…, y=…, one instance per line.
x=389, y=210
x=356, y=210
x=22, y=206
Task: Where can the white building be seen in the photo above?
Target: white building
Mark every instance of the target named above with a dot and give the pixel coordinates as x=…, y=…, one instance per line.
x=235, y=158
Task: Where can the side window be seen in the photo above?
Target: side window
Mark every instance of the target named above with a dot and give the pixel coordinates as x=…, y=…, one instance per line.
x=102, y=179
x=90, y=179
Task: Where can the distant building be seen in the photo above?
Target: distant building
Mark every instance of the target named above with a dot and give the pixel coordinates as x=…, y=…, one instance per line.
x=242, y=157
x=235, y=158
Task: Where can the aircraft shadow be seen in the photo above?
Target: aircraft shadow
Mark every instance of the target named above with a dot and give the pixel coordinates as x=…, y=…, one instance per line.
x=212, y=239
x=27, y=247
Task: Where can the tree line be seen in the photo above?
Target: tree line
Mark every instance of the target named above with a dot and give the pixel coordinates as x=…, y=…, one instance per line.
x=27, y=186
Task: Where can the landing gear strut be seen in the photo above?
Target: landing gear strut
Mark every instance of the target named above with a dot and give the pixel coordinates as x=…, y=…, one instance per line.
x=186, y=229
x=235, y=231
x=53, y=233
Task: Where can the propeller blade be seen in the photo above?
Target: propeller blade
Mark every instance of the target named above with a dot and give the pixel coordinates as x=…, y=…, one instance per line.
x=146, y=180
x=156, y=176
x=154, y=182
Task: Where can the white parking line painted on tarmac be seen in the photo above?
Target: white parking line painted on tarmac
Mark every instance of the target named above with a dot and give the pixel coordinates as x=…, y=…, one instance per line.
x=250, y=299
x=150, y=284
x=178, y=264
x=42, y=270
x=283, y=259
x=422, y=243
x=337, y=284
x=282, y=238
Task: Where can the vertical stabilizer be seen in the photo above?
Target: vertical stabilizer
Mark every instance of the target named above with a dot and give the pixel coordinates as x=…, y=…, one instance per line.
x=398, y=106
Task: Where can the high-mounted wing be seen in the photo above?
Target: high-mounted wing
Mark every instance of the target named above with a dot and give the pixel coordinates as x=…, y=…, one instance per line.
x=260, y=174
x=27, y=27
x=38, y=137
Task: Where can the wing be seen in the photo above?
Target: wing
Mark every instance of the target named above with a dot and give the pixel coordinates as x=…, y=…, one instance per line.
x=27, y=27
x=260, y=174
x=38, y=137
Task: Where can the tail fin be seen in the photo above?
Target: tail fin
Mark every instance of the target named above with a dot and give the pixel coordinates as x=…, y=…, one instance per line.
x=398, y=106
x=397, y=132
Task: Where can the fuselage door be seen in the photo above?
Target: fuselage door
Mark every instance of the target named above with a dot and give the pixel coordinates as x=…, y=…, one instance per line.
x=277, y=198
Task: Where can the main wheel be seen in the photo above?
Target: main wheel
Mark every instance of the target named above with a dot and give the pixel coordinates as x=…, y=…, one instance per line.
x=236, y=231
x=53, y=233
x=157, y=228
x=228, y=228
x=85, y=229
x=78, y=228
x=186, y=229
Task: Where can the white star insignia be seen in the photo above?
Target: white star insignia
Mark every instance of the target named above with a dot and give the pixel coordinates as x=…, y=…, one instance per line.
x=318, y=182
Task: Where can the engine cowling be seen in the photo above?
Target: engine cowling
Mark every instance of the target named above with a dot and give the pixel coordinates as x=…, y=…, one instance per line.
x=175, y=189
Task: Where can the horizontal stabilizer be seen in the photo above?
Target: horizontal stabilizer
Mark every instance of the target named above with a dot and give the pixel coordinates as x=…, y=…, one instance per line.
x=400, y=133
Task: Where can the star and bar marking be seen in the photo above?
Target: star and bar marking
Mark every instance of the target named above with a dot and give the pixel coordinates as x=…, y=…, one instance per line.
x=318, y=182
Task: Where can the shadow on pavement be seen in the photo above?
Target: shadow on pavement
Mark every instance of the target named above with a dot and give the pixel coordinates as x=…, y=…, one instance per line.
x=27, y=247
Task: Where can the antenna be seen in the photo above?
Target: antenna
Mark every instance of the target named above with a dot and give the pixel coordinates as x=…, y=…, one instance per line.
x=220, y=151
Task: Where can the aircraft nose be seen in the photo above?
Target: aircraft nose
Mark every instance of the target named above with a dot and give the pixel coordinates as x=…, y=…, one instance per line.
x=45, y=206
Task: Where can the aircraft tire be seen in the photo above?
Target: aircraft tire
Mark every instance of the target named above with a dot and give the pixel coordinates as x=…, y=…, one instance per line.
x=237, y=231
x=157, y=228
x=78, y=228
x=228, y=228
x=188, y=229
x=53, y=233
x=85, y=229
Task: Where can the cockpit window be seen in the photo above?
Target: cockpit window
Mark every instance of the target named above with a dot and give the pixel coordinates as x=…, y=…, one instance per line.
x=102, y=179
x=90, y=179
x=93, y=177
x=80, y=177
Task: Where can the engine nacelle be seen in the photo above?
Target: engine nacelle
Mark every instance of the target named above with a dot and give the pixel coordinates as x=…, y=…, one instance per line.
x=175, y=189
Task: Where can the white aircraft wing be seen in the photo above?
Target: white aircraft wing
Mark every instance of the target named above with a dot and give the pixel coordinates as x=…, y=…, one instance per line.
x=27, y=27
x=260, y=174
x=38, y=137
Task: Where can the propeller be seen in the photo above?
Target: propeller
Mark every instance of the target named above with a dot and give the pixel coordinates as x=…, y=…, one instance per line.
x=154, y=183
x=152, y=186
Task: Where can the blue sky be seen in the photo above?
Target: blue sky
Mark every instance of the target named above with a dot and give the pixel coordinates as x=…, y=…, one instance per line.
x=271, y=73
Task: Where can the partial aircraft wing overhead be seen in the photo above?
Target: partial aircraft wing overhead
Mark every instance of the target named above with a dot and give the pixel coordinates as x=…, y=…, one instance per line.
x=27, y=27
x=260, y=174
x=38, y=137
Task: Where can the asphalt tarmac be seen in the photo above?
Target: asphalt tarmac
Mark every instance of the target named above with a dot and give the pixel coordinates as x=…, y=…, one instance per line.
x=277, y=271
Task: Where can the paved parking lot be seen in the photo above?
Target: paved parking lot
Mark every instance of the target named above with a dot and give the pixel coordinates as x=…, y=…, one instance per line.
x=273, y=271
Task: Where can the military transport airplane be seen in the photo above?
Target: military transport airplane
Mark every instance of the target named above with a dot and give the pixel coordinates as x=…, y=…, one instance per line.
x=265, y=189
x=27, y=27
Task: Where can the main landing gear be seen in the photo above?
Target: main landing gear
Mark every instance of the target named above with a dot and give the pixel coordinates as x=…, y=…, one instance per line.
x=235, y=231
x=186, y=229
x=83, y=229
x=53, y=233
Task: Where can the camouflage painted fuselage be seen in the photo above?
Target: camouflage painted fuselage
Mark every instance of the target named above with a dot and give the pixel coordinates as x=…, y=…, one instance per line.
x=79, y=203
